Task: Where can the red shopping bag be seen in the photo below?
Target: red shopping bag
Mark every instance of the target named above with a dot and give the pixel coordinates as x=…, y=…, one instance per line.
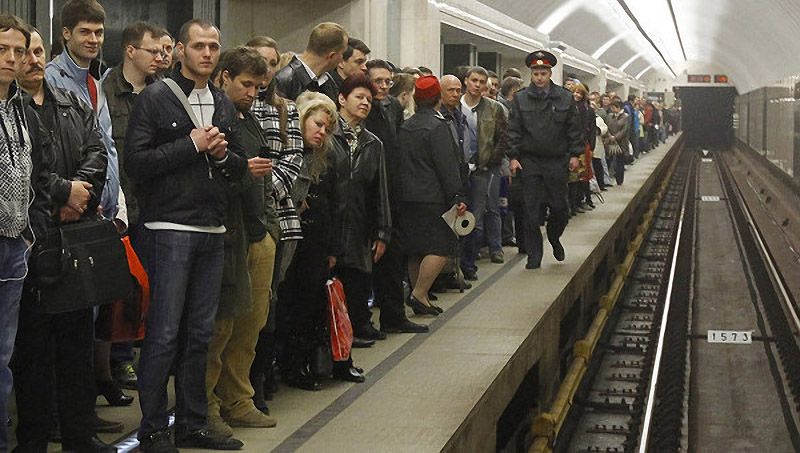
x=123, y=320
x=339, y=321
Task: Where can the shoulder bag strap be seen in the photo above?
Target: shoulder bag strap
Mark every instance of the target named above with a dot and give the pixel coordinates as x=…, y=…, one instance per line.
x=176, y=90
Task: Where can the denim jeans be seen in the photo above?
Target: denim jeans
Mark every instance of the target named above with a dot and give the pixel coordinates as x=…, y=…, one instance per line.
x=484, y=203
x=13, y=269
x=185, y=270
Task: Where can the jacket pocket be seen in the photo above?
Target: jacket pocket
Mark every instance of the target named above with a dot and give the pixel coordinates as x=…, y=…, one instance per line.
x=560, y=115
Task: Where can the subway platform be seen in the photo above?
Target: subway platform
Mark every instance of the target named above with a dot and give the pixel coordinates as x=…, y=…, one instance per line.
x=491, y=360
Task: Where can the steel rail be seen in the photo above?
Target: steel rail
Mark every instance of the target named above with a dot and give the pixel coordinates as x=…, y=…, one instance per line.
x=651, y=393
x=767, y=257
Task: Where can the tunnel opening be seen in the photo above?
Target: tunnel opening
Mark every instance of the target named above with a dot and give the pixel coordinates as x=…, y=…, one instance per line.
x=707, y=115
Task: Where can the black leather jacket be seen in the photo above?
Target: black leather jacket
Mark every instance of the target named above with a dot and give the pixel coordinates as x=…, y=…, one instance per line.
x=432, y=162
x=544, y=125
x=178, y=184
x=78, y=150
x=364, y=198
x=384, y=121
x=294, y=79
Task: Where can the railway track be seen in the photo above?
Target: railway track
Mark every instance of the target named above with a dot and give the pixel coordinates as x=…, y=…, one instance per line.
x=657, y=380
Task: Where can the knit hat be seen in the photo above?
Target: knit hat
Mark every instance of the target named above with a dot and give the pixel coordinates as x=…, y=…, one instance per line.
x=426, y=87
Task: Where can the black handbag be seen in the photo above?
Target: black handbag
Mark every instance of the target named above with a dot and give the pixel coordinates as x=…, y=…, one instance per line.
x=81, y=265
x=321, y=363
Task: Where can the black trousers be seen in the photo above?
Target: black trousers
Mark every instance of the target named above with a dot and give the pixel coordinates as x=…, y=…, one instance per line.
x=303, y=302
x=548, y=189
x=357, y=287
x=54, y=351
x=388, y=275
x=517, y=204
x=599, y=174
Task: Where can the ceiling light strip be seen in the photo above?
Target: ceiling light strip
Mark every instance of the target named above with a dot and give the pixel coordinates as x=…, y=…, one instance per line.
x=677, y=31
x=646, y=36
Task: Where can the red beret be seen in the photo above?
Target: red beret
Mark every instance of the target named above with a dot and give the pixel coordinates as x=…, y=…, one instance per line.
x=426, y=87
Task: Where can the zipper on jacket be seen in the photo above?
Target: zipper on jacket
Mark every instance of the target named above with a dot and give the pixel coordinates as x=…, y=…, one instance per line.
x=208, y=165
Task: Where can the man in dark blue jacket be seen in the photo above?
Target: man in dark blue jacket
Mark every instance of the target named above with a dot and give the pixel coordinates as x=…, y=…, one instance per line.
x=545, y=140
x=183, y=166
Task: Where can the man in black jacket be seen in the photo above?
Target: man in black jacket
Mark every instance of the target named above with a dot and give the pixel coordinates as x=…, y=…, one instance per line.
x=384, y=121
x=354, y=59
x=25, y=159
x=309, y=70
x=60, y=345
x=183, y=166
x=545, y=140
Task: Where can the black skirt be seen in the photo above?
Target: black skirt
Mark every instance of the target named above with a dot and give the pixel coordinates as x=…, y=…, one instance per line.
x=424, y=231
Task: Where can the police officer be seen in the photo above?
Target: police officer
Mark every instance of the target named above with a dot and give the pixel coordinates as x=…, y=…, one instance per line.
x=545, y=140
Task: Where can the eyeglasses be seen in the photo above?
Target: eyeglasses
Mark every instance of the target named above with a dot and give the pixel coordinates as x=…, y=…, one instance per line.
x=383, y=82
x=154, y=52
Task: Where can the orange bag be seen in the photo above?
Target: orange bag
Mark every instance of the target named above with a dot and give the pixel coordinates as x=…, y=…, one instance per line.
x=339, y=321
x=123, y=320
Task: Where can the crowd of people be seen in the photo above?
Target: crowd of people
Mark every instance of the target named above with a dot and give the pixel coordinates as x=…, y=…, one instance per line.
x=245, y=179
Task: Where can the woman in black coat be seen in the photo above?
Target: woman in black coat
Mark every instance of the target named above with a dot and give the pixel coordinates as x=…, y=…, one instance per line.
x=363, y=188
x=302, y=293
x=432, y=184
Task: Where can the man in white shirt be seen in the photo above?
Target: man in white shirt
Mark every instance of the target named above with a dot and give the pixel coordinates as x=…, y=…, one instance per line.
x=184, y=169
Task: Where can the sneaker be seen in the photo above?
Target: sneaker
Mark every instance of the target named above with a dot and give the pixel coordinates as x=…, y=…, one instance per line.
x=252, y=419
x=470, y=275
x=497, y=258
x=157, y=442
x=208, y=440
x=125, y=375
x=369, y=332
x=219, y=426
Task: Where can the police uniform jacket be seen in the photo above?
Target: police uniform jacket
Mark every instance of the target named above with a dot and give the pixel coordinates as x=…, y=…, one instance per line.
x=544, y=126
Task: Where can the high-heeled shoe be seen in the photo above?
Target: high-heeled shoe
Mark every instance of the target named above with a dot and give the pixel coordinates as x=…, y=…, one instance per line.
x=436, y=307
x=113, y=394
x=419, y=308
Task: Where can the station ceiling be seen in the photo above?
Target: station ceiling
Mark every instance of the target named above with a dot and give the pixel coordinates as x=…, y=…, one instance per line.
x=754, y=42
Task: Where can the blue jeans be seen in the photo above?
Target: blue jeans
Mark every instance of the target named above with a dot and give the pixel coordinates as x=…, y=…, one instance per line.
x=185, y=270
x=13, y=269
x=484, y=203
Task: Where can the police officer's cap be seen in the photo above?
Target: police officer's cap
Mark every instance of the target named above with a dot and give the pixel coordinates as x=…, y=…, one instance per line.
x=540, y=59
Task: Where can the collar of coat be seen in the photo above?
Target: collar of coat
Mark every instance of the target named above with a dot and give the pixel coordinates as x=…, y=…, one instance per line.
x=187, y=85
x=67, y=66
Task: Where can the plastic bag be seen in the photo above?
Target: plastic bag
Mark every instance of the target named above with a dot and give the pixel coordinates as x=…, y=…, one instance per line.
x=124, y=320
x=339, y=321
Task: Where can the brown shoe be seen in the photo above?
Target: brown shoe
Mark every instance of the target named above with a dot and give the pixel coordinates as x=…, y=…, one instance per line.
x=252, y=419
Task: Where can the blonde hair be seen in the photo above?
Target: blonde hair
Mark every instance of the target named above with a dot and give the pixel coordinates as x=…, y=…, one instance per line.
x=309, y=103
